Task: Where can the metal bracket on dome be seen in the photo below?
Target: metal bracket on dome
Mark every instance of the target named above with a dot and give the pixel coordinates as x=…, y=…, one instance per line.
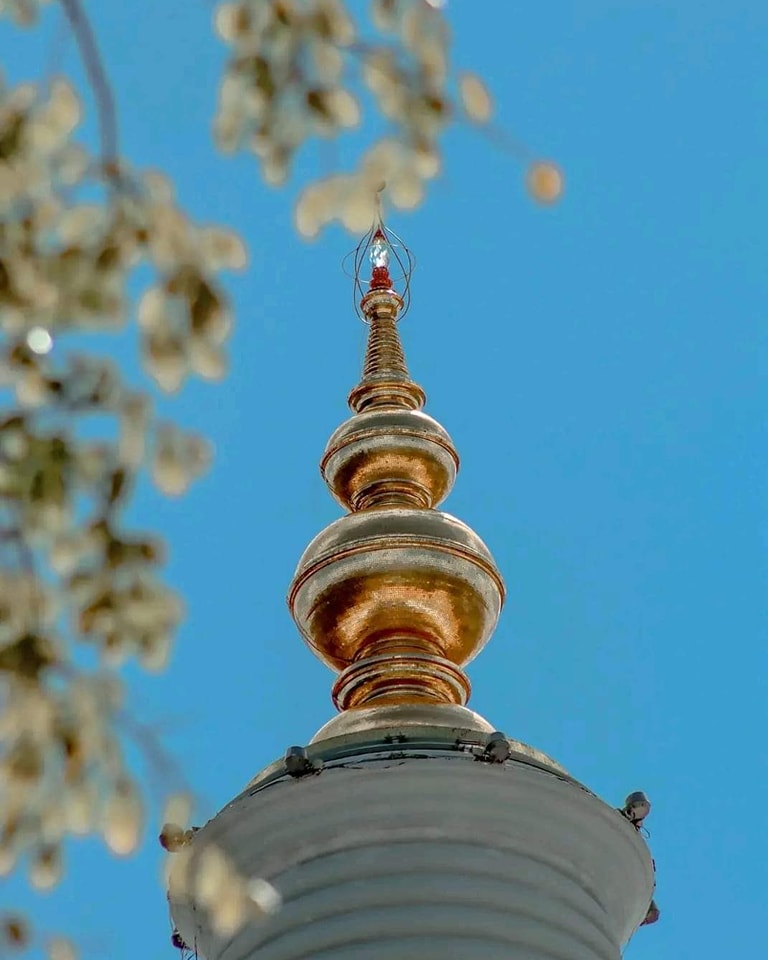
x=636, y=808
x=178, y=941
x=299, y=764
x=497, y=748
x=652, y=916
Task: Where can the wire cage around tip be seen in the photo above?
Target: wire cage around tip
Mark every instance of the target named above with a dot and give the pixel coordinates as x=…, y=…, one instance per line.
x=355, y=261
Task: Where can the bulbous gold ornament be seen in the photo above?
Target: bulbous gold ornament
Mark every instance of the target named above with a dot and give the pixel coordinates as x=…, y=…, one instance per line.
x=396, y=595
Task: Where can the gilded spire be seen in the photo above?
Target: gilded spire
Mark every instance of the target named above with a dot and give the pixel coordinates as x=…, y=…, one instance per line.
x=385, y=380
x=396, y=595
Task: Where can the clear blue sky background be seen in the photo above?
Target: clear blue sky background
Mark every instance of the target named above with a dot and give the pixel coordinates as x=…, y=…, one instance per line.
x=601, y=367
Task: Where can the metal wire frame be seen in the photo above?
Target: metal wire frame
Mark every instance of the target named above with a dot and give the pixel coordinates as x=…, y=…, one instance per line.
x=354, y=263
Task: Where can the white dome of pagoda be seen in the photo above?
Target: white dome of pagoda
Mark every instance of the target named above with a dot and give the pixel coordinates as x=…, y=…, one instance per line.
x=416, y=840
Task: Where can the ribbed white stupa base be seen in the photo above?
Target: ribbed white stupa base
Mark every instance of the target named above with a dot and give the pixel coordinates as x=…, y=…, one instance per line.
x=438, y=855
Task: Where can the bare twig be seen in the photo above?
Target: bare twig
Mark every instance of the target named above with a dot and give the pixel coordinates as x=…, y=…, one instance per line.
x=61, y=37
x=164, y=773
x=501, y=138
x=99, y=82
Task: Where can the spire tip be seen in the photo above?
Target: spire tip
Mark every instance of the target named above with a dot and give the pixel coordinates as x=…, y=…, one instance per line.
x=391, y=265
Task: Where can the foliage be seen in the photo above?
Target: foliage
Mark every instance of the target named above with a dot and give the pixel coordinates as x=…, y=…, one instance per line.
x=71, y=572
x=300, y=70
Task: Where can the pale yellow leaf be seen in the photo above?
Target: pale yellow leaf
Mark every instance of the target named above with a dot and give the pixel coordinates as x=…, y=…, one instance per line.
x=475, y=98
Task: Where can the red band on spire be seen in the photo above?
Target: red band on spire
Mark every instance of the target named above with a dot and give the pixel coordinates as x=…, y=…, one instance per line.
x=380, y=279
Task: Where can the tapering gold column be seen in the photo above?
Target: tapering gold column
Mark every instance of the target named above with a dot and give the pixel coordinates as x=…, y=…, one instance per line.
x=385, y=381
x=397, y=595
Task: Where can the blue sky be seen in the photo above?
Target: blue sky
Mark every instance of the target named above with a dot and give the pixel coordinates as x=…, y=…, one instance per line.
x=601, y=368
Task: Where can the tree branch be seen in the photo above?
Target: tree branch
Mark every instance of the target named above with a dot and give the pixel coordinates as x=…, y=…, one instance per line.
x=99, y=83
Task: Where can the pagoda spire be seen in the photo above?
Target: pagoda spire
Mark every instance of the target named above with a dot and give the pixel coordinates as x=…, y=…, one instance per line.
x=408, y=825
x=396, y=596
x=385, y=380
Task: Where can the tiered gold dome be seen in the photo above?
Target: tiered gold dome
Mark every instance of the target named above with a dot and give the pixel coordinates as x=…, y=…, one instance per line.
x=397, y=596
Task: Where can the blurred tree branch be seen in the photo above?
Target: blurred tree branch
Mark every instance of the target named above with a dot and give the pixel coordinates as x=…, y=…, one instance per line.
x=98, y=80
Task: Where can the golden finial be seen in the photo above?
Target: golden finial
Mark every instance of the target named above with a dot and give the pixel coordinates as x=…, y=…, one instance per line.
x=397, y=596
x=385, y=380
x=389, y=452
